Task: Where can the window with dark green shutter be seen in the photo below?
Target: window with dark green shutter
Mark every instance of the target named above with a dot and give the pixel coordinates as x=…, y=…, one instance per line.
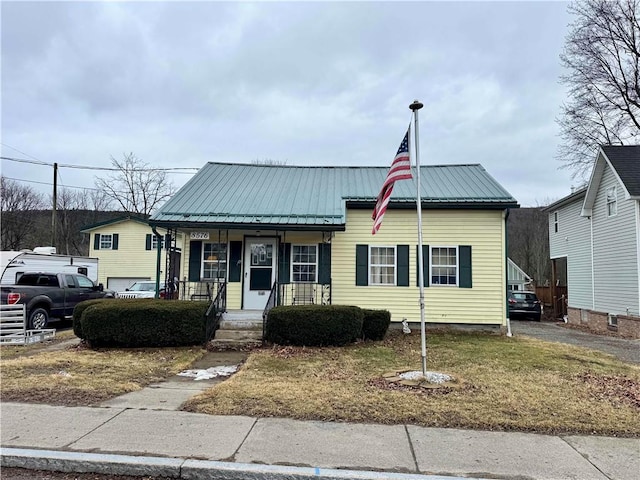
x=324, y=269
x=235, y=261
x=284, y=259
x=402, y=262
x=195, y=260
x=465, y=266
x=362, y=265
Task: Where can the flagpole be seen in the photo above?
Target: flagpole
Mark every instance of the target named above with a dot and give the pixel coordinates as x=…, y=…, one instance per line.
x=415, y=106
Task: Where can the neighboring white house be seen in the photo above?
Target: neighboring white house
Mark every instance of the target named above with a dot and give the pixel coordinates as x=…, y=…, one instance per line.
x=516, y=277
x=596, y=230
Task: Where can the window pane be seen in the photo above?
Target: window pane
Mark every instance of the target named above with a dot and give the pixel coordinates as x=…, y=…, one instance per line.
x=444, y=270
x=303, y=263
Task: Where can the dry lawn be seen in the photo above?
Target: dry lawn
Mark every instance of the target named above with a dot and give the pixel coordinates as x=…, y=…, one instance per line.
x=506, y=384
x=80, y=376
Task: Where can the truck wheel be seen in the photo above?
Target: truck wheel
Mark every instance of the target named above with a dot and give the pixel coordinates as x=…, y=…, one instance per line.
x=38, y=319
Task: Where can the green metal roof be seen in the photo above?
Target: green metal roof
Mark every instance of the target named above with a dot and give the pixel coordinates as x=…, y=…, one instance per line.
x=240, y=194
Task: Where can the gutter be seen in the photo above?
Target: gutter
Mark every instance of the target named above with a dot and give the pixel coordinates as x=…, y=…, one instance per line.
x=506, y=269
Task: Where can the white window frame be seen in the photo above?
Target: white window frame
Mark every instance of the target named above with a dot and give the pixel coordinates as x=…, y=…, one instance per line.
x=432, y=266
x=106, y=241
x=224, y=262
x=393, y=265
x=154, y=242
x=612, y=201
x=315, y=246
x=555, y=222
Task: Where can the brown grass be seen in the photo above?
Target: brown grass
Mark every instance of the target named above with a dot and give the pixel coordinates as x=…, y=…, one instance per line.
x=508, y=384
x=81, y=376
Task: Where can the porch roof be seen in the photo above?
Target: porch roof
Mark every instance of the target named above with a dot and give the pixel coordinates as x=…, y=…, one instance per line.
x=237, y=195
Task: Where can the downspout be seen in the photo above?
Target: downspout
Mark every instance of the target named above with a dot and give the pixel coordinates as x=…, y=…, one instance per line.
x=158, y=259
x=506, y=269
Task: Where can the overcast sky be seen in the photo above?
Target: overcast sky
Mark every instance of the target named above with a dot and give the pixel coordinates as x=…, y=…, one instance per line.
x=182, y=84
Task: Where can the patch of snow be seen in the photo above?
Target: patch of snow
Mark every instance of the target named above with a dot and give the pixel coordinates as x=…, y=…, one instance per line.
x=432, y=377
x=212, y=372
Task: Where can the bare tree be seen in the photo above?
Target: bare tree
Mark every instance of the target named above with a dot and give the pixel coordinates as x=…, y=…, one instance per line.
x=18, y=207
x=602, y=56
x=529, y=242
x=136, y=186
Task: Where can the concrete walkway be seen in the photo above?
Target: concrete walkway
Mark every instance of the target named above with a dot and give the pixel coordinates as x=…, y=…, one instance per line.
x=137, y=441
x=144, y=433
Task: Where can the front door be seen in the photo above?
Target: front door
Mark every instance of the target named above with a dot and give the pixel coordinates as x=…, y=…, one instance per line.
x=259, y=271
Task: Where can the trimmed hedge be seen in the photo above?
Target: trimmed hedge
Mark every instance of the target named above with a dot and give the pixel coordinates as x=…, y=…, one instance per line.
x=79, y=309
x=144, y=323
x=375, y=324
x=314, y=325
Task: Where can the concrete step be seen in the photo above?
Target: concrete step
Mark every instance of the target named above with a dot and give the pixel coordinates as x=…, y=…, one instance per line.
x=242, y=315
x=240, y=324
x=229, y=344
x=238, y=334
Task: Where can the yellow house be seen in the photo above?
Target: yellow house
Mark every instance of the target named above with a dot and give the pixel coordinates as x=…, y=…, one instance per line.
x=127, y=249
x=266, y=235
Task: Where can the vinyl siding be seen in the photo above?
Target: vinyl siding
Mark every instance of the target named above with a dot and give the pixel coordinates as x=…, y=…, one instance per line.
x=573, y=241
x=483, y=230
x=131, y=259
x=615, y=251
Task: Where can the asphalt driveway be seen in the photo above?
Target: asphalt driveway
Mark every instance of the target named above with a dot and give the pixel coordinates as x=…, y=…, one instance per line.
x=625, y=350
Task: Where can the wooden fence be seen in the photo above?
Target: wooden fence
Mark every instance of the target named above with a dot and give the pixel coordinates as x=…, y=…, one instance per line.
x=554, y=299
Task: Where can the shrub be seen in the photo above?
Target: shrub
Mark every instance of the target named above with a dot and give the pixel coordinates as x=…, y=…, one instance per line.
x=314, y=325
x=79, y=309
x=375, y=324
x=144, y=323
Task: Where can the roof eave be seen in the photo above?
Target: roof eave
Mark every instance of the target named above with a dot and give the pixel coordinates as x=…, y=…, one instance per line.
x=184, y=224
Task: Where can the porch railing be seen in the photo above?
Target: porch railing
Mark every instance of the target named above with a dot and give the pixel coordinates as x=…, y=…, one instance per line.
x=205, y=290
x=271, y=302
x=305, y=294
x=216, y=309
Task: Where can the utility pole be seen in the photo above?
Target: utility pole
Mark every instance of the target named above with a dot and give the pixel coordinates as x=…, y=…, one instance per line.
x=55, y=205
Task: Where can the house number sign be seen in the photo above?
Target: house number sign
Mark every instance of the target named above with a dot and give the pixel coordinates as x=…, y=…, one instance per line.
x=199, y=236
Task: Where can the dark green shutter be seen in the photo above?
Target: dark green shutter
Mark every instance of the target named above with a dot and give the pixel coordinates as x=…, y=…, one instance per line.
x=114, y=245
x=362, y=265
x=235, y=261
x=96, y=241
x=166, y=241
x=147, y=242
x=402, y=265
x=465, y=266
x=195, y=258
x=284, y=261
x=324, y=263
x=425, y=265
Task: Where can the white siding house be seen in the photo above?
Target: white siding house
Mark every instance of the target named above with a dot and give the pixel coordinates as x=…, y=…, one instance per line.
x=597, y=230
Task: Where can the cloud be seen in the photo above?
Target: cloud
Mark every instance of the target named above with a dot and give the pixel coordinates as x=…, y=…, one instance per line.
x=306, y=83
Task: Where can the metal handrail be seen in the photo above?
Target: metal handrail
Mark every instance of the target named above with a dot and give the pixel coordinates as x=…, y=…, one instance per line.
x=271, y=302
x=216, y=309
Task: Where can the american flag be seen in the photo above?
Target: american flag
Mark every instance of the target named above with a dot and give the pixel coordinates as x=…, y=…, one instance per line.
x=400, y=170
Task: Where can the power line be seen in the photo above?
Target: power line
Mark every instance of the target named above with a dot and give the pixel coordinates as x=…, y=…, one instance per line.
x=111, y=169
x=50, y=183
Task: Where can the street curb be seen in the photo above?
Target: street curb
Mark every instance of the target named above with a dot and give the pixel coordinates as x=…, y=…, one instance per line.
x=79, y=462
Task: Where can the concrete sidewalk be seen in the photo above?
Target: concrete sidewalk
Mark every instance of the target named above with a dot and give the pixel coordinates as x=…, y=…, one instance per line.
x=178, y=444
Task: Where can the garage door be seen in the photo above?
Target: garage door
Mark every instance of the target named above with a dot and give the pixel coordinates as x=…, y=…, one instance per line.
x=120, y=284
